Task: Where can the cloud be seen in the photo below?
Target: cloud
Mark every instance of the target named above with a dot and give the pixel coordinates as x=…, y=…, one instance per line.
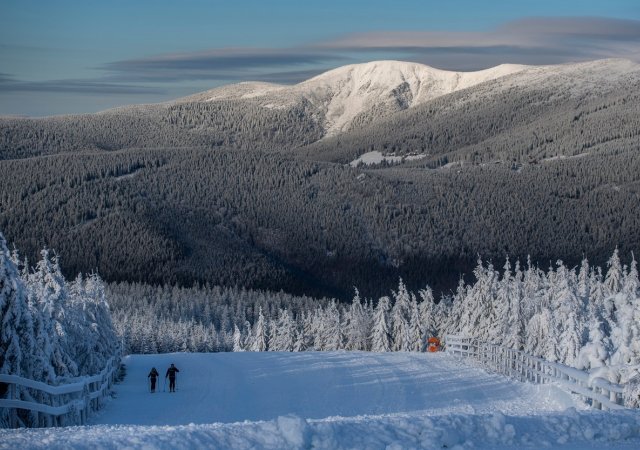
x=537, y=40
x=218, y=64
x=9, y=84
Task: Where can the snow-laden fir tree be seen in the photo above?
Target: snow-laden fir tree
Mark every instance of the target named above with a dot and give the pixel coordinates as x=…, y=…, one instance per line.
x=613, y=280
x=17, y=343
x=89, y=325
x=415, y=326
x=400, y=332
x=18, y=352
x=357, y=327
x=332, y=328
x=237, y=339
x=299, y=345
x=259, y=343
x=569, y=311
x=284, y=333
x=514, y=323
x=380, y=339
x=498, y=308
x=626, y=336
x=48, y=286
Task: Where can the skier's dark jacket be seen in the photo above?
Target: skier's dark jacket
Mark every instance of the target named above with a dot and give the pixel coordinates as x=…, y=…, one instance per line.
x=171, y=372
x=153, y=374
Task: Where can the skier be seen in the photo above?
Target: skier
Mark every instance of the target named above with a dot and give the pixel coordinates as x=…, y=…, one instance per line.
x=153, y=375
x=171, y=373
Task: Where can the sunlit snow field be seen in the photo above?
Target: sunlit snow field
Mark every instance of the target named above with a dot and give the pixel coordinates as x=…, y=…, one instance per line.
x=334, y=400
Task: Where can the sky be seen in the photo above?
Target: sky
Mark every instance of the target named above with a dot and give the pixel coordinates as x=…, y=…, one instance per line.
x=76, y=56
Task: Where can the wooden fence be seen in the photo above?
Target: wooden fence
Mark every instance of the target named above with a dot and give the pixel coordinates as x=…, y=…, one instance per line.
x=65, y=404
x=598, y=392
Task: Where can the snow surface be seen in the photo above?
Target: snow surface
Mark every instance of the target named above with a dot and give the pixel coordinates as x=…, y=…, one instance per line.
x=334, y=400
x=394, y=85
x=376, y=157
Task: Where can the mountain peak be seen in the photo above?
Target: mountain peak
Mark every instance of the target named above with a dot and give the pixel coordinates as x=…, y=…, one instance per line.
x=361, y=93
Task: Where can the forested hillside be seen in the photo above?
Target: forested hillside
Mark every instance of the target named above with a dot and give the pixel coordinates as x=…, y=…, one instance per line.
x=236, y=191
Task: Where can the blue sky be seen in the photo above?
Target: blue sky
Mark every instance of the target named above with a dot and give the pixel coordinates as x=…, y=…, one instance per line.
x=73, y=56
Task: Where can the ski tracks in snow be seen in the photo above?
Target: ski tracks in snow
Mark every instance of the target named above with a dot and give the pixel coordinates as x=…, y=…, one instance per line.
x=231, y=387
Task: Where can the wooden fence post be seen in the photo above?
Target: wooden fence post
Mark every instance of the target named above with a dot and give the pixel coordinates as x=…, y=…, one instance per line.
x=13, y=412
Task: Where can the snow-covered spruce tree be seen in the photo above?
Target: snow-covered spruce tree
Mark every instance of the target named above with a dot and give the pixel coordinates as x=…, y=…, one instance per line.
x=428, y=324
x=532, y=290
x=457, y=314
x=317, y=325
x=49, y=289
x=237, y=339
x=541, y=337
x=357, y=327
x=247, y=340
x=16, y=332
x=569, y=312
x=515, y=323
x=332, y=328
x=299, y=345
x=380, y=339
x=41, y=359
x=487, y=314
x=415, y=326
x=284, y=333
x=626, y=335
x=259, y=343
x=500, y=313
x=472, y=304
x=307, y=332
x=89, y=325
x=596, y=351
x=400, y=333
x=18, y=352
x=613, y=280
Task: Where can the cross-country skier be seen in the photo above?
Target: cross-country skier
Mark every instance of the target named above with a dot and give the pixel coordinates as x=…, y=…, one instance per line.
x=171, y=373
x=153, y=375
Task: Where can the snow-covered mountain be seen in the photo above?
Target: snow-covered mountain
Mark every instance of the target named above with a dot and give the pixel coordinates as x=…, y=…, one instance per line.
x=374, y=90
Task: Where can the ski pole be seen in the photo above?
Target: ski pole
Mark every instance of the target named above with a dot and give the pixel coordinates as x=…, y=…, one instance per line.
x=164, y=386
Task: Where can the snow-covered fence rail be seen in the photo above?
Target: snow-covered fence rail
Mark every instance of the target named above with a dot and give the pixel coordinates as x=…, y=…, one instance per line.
x=65, y=404
x=600, y=393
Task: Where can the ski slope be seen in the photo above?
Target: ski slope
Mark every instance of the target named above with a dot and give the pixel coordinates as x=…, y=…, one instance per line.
x=334, y=400
x=231, y=387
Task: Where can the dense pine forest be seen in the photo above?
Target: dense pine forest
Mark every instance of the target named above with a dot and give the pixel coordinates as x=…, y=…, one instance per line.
x=265, y=221
x=250, y=191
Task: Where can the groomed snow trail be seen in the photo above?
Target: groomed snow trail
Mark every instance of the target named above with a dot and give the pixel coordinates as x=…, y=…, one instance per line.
x=341, y=400
x=231, y=387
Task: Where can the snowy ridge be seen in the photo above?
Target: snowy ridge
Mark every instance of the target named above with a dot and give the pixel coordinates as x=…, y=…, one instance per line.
x=375, y=89
x=390, y=86
x=359, y=94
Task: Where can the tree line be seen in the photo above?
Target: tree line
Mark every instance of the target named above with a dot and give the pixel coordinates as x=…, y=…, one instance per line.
x=583, y=316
